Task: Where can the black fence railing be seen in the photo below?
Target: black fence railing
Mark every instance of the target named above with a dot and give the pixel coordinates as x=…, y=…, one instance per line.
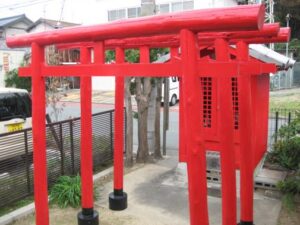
x=277, y=119
x=63, y=154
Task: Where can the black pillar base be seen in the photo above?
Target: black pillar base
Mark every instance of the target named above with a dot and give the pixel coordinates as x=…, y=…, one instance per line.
x=118, y=200
x=246, y=223
x=88, y=217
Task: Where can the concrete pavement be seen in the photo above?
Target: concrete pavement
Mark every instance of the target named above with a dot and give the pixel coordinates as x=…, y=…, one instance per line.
x=158, y=195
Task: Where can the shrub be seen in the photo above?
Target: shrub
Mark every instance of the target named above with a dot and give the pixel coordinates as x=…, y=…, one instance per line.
x=286, y=151
x=13, y=80
x=66, y=192
x=290, y=188
x=290, y=185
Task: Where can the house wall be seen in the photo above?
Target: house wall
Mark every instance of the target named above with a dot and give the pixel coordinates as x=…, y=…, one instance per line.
x=9, y=59
x=40, y=28
x=16, y=29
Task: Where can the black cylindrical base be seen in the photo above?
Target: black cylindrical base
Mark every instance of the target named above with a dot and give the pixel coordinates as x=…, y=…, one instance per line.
x=88, y=217
x=246, y=223
x=118, y=200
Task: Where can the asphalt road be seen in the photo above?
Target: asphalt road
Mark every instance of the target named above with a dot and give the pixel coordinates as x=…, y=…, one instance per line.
x=72, y=109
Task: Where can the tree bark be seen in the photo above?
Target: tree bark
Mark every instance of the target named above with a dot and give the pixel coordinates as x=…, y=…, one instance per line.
x=151, y=118
x=129, y=127
x=157, y=150
x=143, y=90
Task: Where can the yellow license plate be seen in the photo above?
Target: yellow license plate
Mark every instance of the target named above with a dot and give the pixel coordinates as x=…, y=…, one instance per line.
x=15, y=127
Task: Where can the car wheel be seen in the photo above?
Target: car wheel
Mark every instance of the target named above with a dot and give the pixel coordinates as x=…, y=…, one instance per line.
x=173, y=100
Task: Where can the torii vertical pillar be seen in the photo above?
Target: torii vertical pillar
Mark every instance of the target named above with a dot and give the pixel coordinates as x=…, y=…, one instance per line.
x=88, y=216
x=118, y=198
x=196, y=158
x=246, y=139
x=39, y=137
x=227, y=153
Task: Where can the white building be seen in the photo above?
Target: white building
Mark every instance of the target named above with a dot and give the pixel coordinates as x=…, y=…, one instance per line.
x=11, y=58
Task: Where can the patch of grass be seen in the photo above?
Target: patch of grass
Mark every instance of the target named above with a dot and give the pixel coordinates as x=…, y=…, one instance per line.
x=288, y=202
x=286, y=99
x=289, y=105
x=11, y=207
x=67, y=192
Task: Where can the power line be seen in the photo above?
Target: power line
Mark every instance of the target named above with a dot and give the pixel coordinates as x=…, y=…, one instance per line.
x=61, y=11
x=24, y=4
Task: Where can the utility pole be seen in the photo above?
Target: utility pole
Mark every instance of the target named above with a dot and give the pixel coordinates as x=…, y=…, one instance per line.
x=288, y=16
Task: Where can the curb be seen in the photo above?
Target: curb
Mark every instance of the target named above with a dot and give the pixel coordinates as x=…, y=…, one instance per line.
x=30, y=209
x=17, y=214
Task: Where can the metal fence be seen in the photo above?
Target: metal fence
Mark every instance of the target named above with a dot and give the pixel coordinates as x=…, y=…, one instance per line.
x=277, y=119
x=63, y=154
x=285, y=79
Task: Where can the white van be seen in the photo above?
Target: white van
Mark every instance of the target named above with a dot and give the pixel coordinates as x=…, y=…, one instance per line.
x=15, y=110
x=15, y=115
x=173, y=91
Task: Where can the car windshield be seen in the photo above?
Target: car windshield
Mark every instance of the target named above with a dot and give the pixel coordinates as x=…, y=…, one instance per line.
x=14, y=105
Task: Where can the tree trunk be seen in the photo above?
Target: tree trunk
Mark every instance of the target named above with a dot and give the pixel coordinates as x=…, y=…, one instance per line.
x=142, y=98
x=129, y=127
x=151, y=119
x=157, y=150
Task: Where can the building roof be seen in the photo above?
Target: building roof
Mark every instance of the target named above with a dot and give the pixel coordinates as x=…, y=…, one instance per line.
x=8, y=21
x=267, y=55
x=52, y=23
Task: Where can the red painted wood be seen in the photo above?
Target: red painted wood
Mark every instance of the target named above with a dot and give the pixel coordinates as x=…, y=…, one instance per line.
x=261, y=116
x=39, y=137
x=172, y=40
x=99, y=54
x=119, y=128
x=86, y=147
x=282, y=37
x=196, y=158
x=225, y=128
x=249, y=17
x=138, y=70
x=151, y=70
x=246, y=136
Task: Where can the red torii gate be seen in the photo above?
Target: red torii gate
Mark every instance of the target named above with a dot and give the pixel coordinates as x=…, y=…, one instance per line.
x=215, y=112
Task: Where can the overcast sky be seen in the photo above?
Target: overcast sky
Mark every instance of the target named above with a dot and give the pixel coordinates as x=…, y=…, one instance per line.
x=73, y=10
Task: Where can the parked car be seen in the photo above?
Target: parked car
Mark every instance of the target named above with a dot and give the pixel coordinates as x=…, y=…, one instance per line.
x=15, y=115
x=173, y=91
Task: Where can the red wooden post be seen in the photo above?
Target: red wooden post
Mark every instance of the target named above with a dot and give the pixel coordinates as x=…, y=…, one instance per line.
x=196, y=159
x=118, y=198
x=88, y=215
x=39, y=137
x=246, y=138
x=226, y=126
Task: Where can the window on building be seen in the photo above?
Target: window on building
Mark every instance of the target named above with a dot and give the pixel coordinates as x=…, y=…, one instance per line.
x=134, y=12
x=116, y=14
x=163, y=8
x=182, y=6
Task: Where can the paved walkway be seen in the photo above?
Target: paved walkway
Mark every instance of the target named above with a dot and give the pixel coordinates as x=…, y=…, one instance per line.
x=101, y=97
x=158, y=195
